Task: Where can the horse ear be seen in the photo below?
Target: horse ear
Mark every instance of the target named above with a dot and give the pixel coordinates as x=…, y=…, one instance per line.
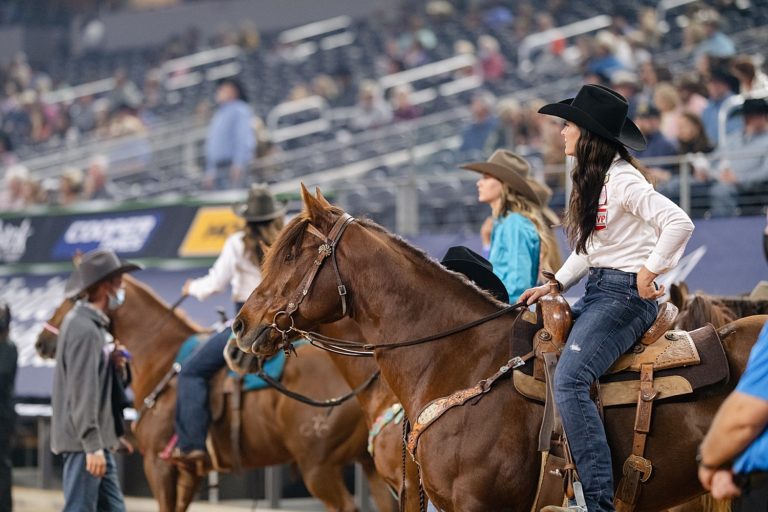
x=321, y=198
x=312, y=207
x=676, y=296
x=77, y=257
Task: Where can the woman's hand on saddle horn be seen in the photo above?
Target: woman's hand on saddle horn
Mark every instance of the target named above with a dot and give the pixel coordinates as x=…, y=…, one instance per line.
x=646, y=288
x=185, y=288
x=531, y=295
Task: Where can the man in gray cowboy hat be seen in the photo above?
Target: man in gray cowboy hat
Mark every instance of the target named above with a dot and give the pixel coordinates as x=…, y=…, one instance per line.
x=83, y=425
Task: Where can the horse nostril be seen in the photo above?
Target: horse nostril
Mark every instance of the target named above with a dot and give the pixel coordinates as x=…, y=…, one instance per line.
x=238, y=326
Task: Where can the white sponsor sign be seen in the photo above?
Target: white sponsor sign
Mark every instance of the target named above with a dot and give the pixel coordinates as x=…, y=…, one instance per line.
x=13, y=240
x=122, y=234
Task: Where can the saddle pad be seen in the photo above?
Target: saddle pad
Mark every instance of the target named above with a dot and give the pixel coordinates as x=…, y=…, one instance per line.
x=273, y=366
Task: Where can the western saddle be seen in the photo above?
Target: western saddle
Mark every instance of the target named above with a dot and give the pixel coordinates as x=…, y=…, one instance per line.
x=630, y=380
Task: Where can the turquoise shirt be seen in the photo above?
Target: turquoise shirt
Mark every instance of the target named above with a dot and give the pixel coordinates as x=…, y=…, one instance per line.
x=515, y=247
x=754, y=382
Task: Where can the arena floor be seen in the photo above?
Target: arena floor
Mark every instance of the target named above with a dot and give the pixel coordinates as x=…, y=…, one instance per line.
x=26, y=499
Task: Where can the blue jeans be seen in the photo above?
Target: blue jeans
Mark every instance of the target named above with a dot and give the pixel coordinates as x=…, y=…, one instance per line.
x=610, y=318
x=192, y=413
x=84, y=492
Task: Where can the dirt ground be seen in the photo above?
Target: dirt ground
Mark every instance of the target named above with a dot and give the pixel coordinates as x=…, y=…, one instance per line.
x=36, y=500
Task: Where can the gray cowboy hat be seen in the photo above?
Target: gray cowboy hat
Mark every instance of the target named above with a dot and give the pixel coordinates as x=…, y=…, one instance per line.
x=96, y=266
x=508, y=168
x=260, y=206
x=602, y=111
x=478, y=269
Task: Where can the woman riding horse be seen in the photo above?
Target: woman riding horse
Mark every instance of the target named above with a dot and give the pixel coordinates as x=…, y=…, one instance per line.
x=239, y=265
x=625, y=234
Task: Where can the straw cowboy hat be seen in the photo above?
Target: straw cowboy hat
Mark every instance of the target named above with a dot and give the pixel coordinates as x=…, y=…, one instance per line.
x=508, y=168
x=544, y=194
x=479, y=270
x=260, y=206
x=601, y=111
x=96, y=266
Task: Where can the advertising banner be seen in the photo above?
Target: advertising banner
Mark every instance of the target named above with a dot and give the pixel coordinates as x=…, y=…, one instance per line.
x=209, y=230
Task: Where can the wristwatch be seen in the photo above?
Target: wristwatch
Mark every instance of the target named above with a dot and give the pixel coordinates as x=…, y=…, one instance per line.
x=702, y=464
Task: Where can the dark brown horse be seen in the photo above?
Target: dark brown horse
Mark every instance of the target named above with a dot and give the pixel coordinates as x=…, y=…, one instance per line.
x=698, y=309
x=280, y=430
x=478, y=457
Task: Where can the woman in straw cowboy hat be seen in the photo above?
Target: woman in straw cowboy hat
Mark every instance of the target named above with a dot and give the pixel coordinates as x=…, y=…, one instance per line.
x=519, y=236
x=238, y=265
x=624, y=235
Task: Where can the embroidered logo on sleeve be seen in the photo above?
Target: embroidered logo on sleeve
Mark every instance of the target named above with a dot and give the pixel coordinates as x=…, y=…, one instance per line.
x=602, y=210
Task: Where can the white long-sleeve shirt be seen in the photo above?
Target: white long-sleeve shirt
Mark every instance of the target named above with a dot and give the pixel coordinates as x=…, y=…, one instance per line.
x=636, y=226
x=231, y=267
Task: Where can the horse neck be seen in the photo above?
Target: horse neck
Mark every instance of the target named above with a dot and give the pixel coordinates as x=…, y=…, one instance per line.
x=404, y=297
x=153, y=335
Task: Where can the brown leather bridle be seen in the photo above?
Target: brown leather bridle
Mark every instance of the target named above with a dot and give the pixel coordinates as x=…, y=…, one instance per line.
x=327, y=248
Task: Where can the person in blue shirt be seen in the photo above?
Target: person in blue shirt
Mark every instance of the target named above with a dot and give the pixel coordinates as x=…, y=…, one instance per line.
x=519, y=236
x=721, y=85
x=230, y=143
x=733, y=458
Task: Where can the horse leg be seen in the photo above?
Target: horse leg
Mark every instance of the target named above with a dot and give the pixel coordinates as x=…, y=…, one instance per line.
x=162, y=481
x=380, y=491
x=326, y=483
x=186, y=486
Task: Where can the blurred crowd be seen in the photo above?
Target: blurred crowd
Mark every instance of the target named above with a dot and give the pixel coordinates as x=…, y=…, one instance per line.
x=677, y=106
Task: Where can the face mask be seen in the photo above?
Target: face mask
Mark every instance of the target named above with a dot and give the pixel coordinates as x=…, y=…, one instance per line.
x=116, y=300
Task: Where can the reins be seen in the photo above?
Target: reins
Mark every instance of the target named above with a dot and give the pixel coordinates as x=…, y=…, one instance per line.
x=331, y=402
x=357, y=349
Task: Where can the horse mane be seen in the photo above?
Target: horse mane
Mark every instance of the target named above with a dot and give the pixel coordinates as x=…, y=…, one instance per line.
x=289, y=243
x=701, y=310
x=151, y=294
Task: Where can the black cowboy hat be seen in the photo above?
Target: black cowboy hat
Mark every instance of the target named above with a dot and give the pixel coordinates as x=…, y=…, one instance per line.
x=260, y=206
x=752, y=107
x=479, y=270
x=508, y=168
x=602, y=111
x=95, y=266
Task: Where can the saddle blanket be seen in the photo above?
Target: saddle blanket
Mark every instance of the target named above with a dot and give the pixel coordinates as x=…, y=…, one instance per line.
x=273, y=366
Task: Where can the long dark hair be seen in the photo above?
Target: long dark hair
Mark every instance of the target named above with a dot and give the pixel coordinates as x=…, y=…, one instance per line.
x=594, y=156
x=258, y=235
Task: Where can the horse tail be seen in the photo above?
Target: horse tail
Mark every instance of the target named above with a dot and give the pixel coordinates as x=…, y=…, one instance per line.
x=704, y=503
x=710, y=504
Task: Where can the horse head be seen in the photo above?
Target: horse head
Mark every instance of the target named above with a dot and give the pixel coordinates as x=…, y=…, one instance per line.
x=299, y=288
x=46, y=340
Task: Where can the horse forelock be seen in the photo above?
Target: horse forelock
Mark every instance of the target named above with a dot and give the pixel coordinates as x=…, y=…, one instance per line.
x=285, y=247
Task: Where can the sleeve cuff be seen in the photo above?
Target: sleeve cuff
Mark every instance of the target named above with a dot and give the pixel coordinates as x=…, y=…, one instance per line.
x=657, y=264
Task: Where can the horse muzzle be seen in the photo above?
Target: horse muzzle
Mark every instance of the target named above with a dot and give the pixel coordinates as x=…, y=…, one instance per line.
x=258, y=341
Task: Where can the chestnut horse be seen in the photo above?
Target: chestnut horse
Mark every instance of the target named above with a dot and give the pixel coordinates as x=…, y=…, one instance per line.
x=478, y=457
x=280, y=430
